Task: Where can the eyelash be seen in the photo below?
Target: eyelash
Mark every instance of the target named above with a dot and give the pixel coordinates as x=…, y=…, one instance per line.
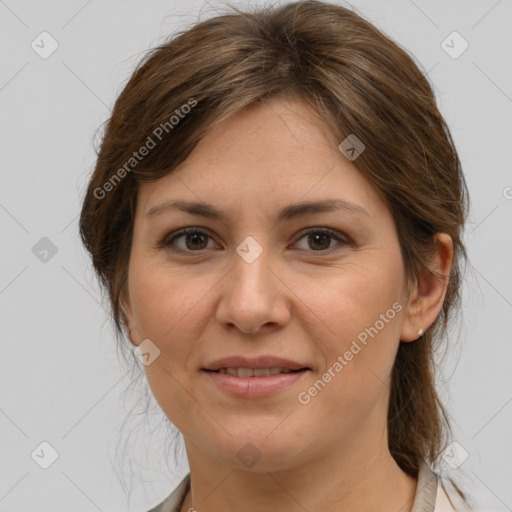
x=168, y=241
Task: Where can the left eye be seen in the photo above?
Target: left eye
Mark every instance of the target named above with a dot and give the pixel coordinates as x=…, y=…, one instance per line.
x=319, y=240
x=322, y=239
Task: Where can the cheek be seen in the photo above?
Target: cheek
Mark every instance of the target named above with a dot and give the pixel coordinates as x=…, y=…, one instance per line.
x=355, y=300
x=166, y=302
x=363, y=311
x=164, y=308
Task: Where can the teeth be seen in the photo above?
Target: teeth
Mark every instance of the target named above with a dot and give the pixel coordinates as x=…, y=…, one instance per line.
x=257, y=372
x=262, y=372
x=245, y=372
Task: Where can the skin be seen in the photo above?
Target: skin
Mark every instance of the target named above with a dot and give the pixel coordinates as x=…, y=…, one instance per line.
x=302, y=298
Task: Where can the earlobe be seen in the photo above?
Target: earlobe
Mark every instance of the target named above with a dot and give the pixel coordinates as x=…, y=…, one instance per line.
x=427, y=296
x=127, y=315
x=413, y=317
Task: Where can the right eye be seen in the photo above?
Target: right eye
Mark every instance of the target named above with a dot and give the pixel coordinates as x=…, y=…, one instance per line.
x=194, y=240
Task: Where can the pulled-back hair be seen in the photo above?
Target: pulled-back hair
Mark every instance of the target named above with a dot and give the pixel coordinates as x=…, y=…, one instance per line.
x=360, y=82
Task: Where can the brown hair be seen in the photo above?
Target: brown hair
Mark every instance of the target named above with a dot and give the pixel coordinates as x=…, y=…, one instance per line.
x=360, y=82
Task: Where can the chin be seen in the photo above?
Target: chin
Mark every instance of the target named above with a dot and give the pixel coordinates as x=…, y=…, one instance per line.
x=258, y=453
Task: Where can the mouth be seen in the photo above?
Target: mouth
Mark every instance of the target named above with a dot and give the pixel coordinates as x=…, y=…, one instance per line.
x=256, y=372
x=253, y=383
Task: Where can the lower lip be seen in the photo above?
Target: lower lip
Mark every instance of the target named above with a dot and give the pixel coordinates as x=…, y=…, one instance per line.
x=246, y=387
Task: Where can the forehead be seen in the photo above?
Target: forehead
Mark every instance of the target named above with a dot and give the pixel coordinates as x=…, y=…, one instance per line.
x=271, y=153
x=282, y=125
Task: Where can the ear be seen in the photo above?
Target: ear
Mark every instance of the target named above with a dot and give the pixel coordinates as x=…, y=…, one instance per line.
x=426, y=297
x=128, y=317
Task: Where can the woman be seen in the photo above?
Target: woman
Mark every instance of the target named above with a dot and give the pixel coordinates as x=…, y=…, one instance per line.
x=276, y=213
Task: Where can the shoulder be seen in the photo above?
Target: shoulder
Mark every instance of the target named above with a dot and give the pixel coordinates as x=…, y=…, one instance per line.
x=447, y=499
x=435, y=494
x=174, y=501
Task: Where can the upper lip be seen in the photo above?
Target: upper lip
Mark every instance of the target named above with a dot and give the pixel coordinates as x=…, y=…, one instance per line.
x=253, y=363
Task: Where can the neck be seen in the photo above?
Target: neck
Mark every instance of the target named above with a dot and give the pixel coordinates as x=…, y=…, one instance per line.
x=332, y=482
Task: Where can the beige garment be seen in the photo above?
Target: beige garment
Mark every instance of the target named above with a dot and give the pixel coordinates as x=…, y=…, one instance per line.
x=430, y=495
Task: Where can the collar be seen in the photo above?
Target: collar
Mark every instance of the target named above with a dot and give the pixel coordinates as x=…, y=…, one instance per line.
x=426, y=490
x=424, y=500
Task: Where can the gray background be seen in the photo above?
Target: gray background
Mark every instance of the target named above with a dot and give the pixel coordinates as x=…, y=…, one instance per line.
x=60, y=378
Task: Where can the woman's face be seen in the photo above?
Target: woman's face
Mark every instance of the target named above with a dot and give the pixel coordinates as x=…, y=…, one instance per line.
x=321, y=289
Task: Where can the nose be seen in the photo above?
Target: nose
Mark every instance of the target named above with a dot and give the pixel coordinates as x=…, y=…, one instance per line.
x=253, y=296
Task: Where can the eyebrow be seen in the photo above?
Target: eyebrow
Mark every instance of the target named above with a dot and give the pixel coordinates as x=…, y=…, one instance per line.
x=203, y=209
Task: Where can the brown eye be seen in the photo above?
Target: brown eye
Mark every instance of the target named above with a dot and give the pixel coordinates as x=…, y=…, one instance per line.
x=319, y=240
x=193, y=240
